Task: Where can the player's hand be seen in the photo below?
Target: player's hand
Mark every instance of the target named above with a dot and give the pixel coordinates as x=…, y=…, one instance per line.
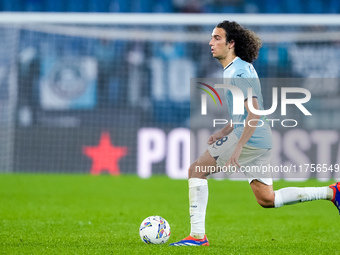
x=211, y=140
x=233, y=160
x=215, y=137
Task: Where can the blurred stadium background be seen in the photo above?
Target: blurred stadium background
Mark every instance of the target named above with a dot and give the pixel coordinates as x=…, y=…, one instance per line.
x=174, y=6
x=107, y=90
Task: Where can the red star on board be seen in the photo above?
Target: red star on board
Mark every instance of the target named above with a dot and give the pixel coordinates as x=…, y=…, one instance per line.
x=105, y=156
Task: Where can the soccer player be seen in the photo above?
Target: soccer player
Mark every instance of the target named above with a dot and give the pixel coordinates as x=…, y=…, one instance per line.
x=241, y=145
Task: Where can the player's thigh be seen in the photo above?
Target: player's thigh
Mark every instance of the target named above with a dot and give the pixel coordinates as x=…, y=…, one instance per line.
x=264, y=193
x=222, y=149
x=217, y=154
x=254, y=161
x=255, y=164
x=203, y=166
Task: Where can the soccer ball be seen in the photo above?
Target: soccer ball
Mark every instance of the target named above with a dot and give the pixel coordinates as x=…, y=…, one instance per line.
x=154, y=230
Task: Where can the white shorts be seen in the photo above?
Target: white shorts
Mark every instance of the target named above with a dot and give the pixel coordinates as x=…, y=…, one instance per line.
x=251, y=160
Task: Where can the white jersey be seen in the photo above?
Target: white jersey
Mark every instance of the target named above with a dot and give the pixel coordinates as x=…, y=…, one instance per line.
x=243, y=75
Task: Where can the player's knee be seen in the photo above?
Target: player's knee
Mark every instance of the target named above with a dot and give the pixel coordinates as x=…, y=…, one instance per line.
x=195, y=171
x=266, y=201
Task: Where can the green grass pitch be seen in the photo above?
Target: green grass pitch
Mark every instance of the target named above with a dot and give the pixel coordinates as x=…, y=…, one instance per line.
x=82, y=214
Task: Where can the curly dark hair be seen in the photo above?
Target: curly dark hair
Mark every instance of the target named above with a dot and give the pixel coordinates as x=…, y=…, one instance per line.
x=247, y=43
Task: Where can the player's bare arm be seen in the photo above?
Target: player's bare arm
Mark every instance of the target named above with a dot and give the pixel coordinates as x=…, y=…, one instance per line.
x=226, y=130
x=248, y=131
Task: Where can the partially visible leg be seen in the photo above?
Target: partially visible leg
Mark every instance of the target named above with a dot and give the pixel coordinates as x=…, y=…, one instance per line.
x=268, y=198
x=264, y=194
x=261, y=184
x=336, y=194
x=198, y=193
x=199, y=168
x=198, y=188
x=198, y=200
x=292, y=195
